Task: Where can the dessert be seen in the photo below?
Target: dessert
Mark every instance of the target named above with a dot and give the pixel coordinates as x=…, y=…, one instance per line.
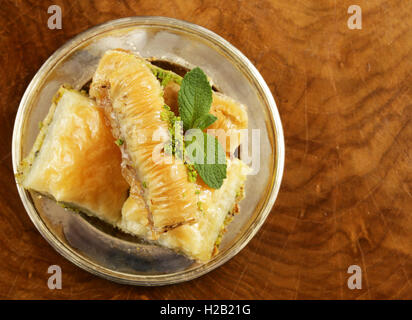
x=128, y=153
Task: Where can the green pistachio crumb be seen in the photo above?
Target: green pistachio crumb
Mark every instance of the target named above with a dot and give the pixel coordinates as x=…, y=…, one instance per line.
x=200, y=205
x=191, y=172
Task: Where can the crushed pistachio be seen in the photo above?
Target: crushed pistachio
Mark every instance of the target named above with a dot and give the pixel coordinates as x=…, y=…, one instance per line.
x=65, y=206
x=144, y=184
x=228, y=219
x=240, y=193
x=191, y=172
x=167, y=114
x=164, y=76
x=176, y=146
x=218, y=240
x=168, y=147
x=200, y=205
x=119, y=142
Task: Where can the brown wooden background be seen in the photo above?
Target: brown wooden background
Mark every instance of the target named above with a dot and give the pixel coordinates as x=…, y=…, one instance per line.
x=344, y=97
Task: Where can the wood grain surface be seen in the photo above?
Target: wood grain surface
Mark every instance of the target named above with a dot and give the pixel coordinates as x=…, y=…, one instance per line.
x=344, y=97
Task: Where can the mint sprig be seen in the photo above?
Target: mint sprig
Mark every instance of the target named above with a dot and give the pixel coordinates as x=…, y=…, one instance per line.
x=194, y=97
x=208, y=156
x=204, y=121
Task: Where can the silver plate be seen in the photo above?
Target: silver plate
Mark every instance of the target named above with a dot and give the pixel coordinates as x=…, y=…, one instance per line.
x=98, y=248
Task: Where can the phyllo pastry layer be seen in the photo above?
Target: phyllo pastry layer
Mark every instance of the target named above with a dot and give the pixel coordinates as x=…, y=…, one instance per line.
x=75, y=160
x=199, y=240
x=231, y=115
x=133, y=101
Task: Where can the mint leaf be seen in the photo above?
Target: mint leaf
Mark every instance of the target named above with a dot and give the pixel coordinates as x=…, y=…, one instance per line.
x=204, y=152
x=204, y=121
x=207, y=156
x=194, y=97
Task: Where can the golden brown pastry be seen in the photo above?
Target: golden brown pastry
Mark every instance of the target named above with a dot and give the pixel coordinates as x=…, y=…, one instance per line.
x=231, y=120
x=199, y=240
x=216, y=208
x=231, y=116
x=133, y=100
x=75, y=160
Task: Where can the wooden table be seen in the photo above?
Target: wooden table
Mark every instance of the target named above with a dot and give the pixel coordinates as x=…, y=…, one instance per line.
x=344, y=97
